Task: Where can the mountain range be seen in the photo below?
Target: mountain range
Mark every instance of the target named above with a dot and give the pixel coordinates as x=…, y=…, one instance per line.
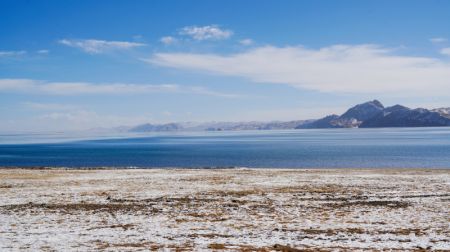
x=371, y=114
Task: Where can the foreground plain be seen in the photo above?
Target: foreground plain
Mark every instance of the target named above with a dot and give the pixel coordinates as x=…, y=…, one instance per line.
x=224, y=209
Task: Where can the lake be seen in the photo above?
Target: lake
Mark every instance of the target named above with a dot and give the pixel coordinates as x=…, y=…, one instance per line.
x=312, y=148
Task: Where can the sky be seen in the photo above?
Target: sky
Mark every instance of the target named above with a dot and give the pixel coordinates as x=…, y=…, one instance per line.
x=76, y=65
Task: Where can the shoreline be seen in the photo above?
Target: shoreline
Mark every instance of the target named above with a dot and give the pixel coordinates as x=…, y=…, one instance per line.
x=216, y=168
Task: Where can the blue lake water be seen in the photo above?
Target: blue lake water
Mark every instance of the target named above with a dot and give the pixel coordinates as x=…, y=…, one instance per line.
x=327, y=148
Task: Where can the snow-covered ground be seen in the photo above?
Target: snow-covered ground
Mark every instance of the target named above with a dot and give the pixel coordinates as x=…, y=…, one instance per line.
x=232, y=209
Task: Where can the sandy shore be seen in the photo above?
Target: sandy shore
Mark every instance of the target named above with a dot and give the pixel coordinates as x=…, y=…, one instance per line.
x=231, y=209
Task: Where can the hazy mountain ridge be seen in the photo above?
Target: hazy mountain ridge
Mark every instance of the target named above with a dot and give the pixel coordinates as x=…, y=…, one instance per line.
x=218, y=126
x=157, y=127
x=260, y=125
x=371, y=114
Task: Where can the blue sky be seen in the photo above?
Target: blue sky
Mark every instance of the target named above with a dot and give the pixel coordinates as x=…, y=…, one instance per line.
x=70, y=65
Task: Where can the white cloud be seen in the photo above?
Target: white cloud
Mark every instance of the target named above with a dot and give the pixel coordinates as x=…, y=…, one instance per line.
x=18, y=85
x=86, y=88
x=205, y=91
x=340, y=68
x=95, y=46
x=72, y=88
x=246, y=42
x=49, y=106
x=445, y=51
x=208, y=32
x=438, y=40
x=168, y=40
x=11, y=53
x=43, y=51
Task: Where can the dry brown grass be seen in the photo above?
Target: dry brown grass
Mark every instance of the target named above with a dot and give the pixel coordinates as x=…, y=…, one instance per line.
x=283, y=248
x=214, y=180
x=77, y=207
x=329, y=188
x=209, y=216
x=249, y=248
x=372, y=203
x=332, y=232
x=239, y=193
x=403, y=231
x=122, y=226
x=27, y=176
x=102, y=245
x=209, y=235
x=216, y=246
x=37, y=173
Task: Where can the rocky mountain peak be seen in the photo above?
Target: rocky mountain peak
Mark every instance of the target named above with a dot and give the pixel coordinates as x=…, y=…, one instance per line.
x=363, y=111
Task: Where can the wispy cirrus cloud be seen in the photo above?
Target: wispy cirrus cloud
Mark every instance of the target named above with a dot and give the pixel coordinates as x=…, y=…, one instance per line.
x=208, y=32
x=43, y=51
x=438, y=40
x=168, y=40
x=87, y=88
x=246, y=42
x=368, y=69
x=95, y=46
x=208, y=92
x=12, y=53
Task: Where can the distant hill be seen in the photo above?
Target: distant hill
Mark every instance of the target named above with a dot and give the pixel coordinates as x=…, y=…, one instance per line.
x=373, y=114
x=326, y=122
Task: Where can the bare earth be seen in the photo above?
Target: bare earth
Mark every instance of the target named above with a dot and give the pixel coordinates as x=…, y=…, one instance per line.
x=229, y=209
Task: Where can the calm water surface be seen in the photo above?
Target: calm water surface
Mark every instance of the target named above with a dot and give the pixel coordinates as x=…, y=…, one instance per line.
x=327, y=148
